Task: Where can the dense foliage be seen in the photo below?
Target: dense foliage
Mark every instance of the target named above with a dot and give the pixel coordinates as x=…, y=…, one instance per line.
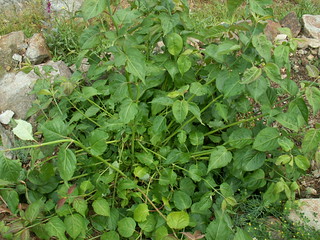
x=167, y=133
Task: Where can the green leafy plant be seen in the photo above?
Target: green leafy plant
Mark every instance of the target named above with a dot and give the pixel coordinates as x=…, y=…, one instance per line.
x=164, y=136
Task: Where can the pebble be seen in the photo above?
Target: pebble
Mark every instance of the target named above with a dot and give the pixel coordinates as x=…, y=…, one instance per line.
x=310, y=57
x=302, y=52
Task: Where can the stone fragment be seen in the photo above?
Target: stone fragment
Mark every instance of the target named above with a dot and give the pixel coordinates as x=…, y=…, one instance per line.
x=37, y=51
x=311, y=25
x=310, y=212
x=281, y=38
x=6, y=116
x=15, y=88
x=308, y=42
x=271, y=29
x=291, y=21
x=310, y=57
x=17, y=57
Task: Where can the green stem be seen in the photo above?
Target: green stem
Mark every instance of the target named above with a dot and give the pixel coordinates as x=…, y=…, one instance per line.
x=39, y=145
x=234, y=124
x=190, y=120
x=83, y=113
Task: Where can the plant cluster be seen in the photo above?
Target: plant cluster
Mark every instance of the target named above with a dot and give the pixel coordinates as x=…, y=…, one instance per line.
x=167, y=133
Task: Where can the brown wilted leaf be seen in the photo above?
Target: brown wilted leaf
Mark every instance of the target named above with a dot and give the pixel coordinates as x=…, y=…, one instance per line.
x=195, y=236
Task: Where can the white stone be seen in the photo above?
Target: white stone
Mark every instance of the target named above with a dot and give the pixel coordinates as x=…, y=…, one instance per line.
x=6, y=116
x=310, y=210
x=17, y=57
x=281, y=38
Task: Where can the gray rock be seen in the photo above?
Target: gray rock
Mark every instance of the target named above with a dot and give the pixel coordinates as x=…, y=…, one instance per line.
x=310, y=210
x=17, y=57
x=15, y=88
x=66, y=5
x=311, y=25
x=308, y=42
x=271, y=29
x=10, y=44
x=37, y=51
x=291, y=21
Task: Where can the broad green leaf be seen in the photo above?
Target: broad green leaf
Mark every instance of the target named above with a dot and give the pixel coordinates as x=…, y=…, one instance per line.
x=53, y=130
x=92, y=8
x=285, y=143
x=228, y=83
x=167, y=176
x=125, y=16
x=33, y=210
x=312, y=70
x=75, y=224
x=241, y=235
x=302, y=162
x=222, y=111
x=196, y=138
x=257, y=7
x=251, y=75
x=56, y=228
x=128, y=110
x=266, y=140
x=240, y=138
x=9, y=169
x=159, y=124
x=23, y=130
x=296, y=116
x=203, y=206
x=273, y=72
x=283, y=159
x=141, y=213
x=165, y=101
x=90, y=38
x=258, y=88
x=180, y=110
x=219, y=52
x=172, y=68
x=161, y=233
x=195, y=110
x=141, y=172
x=97, y=142
x=182, y=136
x=313, y=97
x=126, y=227
x=198, y=89
x=250, y=159
x=288, y=120
x=311, y=140
x=11, y=199
x=149, y=224
x=263, y=46
x=101, y=207
x=80, y=205
x=178, y=220
x=184, y=64
x=233, y=5
x=136, y=63
x=219, y=228
x=254, y=180
x=67, y=163
x=281, y=55
x=181, y=200
x=145, y=158
x=174, y=43
x=220, y=157
x=110, y=235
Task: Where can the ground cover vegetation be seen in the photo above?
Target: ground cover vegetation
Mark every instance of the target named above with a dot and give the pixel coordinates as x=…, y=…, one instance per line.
x=165, y=137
